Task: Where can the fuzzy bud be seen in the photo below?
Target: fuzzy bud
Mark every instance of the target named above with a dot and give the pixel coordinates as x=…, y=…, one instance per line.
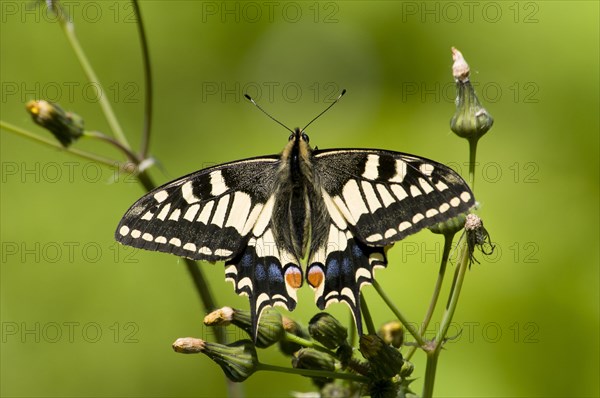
x=309, y=358
x=238, y=360
x=392, y=333
x=67, y=127
x=327, y=330
x=386, y=361
x=471, y=120
x=292, y=327
x=270, y=328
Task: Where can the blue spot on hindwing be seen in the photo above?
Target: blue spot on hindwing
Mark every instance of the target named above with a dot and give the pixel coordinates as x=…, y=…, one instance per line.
x=346, y=266
x=246, y=260
x=260, y=273
x=275, y=273
x=356, y=250
x=333, y=269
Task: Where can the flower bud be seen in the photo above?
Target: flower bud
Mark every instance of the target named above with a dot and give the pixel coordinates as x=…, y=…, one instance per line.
x=65, y=126
x=450, y=226
x=407, y=369
x=327, y=330
x=392, y=333
x=270, y=328
x=386, y=361
x=292, y=327
x=471, y=120
x=238, y=360
x=309, y=358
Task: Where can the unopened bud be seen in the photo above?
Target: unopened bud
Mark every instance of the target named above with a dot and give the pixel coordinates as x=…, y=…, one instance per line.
x=292, y=327
x=309, y=358
x=65, y=126
x=327, y=330
x=238, y=360
x=270, y=328
x=450, y=226
x=392, y=333
x=386, y=361
x=471, y=120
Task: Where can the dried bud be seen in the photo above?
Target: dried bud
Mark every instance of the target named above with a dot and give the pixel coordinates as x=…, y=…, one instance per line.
x=270, y=328
x=477, y=236
x=292, y=327
x=188, y=345
x=65, y=126
x=327, y=330
x=220, y=317
x=471, y=120
x=238, y=360
x=392, y=333
x=386, y=361
x=309, y=358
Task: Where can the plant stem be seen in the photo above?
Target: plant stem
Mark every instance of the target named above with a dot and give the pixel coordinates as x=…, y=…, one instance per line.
x=411, y=329
x=430, y=369
x=306, y=343
x=313, y=373
x=69, y=31
x=148, y=98
x=432, y=357
x=472, y=156
x=52, y=143
x=103, y=137
x=436, y=291
x=367, y=316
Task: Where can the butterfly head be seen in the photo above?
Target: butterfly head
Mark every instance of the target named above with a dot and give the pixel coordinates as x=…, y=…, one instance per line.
x=299, y=135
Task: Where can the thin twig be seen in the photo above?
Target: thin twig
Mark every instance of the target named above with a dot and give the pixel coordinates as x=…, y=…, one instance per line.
x=69, y=31
x=52, y=143
x=411, y=329
x=436, y=291
x=148, y=98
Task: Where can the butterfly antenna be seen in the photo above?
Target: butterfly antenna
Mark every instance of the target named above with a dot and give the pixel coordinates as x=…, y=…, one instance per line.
x=326, y=109
x=249, y=98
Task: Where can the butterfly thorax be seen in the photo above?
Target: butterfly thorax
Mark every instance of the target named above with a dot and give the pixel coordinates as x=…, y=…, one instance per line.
x=294, y=188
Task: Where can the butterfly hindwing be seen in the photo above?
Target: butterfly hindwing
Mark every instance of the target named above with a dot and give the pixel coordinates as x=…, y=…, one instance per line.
x=340, y=267
x=206, y=215
x=265, y=272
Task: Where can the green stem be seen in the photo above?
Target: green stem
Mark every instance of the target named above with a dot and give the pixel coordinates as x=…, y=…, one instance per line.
x=454, y=295
x=313, y=373
x=430, y=369
x=472, y=156
x=436, y=291
x=292, y=338
x=52, y=143
x=432, y=357
x=103, y=137
x=367, y=316
x=148, y=98
x=69, y=31
x=407, y=325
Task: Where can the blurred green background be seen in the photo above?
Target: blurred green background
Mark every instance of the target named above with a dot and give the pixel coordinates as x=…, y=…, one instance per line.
x=82, y=316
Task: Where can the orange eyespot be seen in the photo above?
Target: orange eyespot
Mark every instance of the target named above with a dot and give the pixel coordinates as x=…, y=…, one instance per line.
x=315, y=277
x=293, y=278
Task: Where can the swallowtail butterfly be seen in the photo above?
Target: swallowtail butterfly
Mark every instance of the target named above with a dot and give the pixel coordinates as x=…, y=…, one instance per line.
x=336, y=210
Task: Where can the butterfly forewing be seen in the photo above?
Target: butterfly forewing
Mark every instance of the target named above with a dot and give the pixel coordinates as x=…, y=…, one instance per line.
x=206, y=215
x=385, y=196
